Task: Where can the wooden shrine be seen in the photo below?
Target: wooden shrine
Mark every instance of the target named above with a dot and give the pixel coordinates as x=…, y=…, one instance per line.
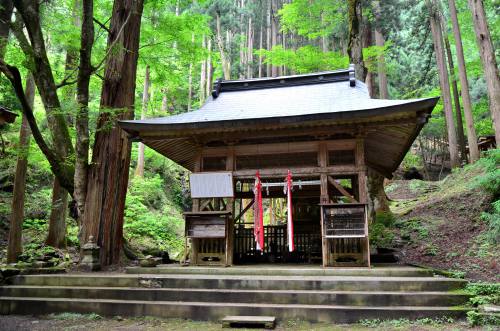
x=324, y=128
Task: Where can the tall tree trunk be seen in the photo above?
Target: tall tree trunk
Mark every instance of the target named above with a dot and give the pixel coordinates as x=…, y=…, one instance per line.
x=139, y=171
x=366, y=41
x=44, y=79
x=462, y=71
x=57, y=221
x=377, y=199
x=250, y=49
x=15, y=248
x=203, y=73
x=71, y=64
x=226, y=65
x=487, y=53
x=268, y=36
x=261, y=36
x=210, y=68
x=380, y=41
x=274, y=32
x=82, y=115
x=164, y=101
x=445, y=84
x=108, y=175
x=190, y=80
x=456, y=98
x=6, y=8
x=355, y=48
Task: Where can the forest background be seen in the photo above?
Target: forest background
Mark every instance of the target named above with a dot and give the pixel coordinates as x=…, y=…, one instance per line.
x=183, y=47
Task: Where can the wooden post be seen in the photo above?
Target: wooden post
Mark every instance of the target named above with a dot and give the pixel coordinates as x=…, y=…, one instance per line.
x=360, y=163
x=231, y=208
x=324, y=198
x=196, y=207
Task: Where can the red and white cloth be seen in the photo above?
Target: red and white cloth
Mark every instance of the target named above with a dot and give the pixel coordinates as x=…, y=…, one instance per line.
x=289, y=185
x=258, y=229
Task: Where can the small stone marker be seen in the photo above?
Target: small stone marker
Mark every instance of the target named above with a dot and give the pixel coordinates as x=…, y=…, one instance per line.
x=268, y=322
x=90, y=261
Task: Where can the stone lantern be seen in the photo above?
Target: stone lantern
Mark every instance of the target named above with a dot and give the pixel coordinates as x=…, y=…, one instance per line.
x=90, y=261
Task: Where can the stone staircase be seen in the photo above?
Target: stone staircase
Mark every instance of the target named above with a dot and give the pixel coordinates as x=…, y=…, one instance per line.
x=313, y=294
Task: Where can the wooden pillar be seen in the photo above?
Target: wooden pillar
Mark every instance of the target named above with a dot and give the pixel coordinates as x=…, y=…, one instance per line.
x=324, y=198
x=196, y=207
x=360, y=164
x=230, y=206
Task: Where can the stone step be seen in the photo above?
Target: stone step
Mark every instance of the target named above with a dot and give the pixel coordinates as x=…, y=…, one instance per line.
x=267, y=322
x=336, y=283
x=383, y=271
x=215, y=311
x=305, y=297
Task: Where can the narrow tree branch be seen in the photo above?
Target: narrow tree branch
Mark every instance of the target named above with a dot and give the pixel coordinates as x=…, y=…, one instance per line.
x=110, y=48
x=101, y=24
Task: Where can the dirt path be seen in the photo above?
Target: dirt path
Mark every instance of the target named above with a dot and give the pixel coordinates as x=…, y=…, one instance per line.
x=78, y=322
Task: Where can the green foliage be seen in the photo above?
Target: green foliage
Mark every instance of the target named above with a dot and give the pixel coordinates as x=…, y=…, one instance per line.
x=405, y=323
x=477, y=319
x=305, y=59
x=431, y=250
x=314, y=19
x=483, y=293
x=493, y=221
x=381, y=232
x=490, y=180
x=75, y=316
x=151, y=221
x=412, y=160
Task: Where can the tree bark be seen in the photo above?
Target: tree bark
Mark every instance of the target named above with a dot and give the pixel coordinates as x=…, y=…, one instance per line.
x=203, y=73
x=82, y=115
x=226, y=65
x=139, y=171
x=445, y=84
x=274, y=33
x=210, y=69
x=462, y=71
x=108, y=175
x=366, y=41
x=44, y=79
x=15, y=248
x=250, y=49
x=377, y=199
x=261, y=36
x=380, y=41
x=487, y=54
x=57, y=221
x=456, y=99
x=355, y=47
x=6, y=8
x=268, y=36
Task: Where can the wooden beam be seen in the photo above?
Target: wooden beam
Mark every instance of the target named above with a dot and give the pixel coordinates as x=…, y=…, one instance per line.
x=237, y=218
x=299, y=171
x=341, y=189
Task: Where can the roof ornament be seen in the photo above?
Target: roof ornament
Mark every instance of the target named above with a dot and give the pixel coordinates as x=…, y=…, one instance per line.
x=352, y=75
x=217, y=88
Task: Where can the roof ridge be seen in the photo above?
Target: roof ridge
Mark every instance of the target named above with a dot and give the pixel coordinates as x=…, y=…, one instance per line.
x=221, y=85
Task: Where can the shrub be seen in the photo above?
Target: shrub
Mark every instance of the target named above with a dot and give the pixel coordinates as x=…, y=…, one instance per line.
x=484, y=293
x=493, y=221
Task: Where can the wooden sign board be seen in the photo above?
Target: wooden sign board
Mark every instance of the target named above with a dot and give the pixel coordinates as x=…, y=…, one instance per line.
x=344, y=221
x=211, y=185
x=206, y=226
